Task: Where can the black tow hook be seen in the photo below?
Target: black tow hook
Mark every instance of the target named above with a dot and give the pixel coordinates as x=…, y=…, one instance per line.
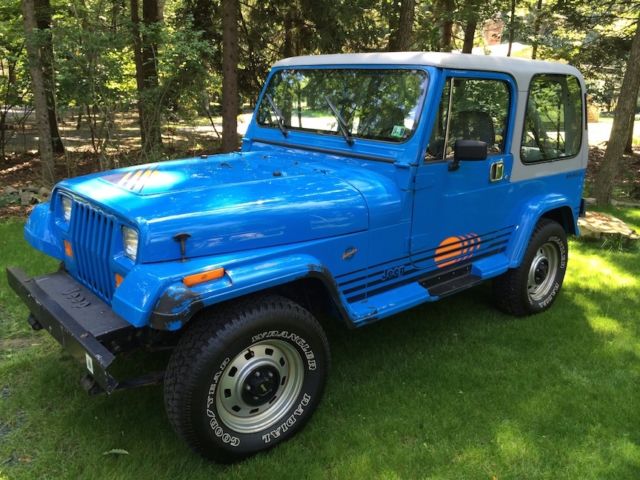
x=90, y=385
x=35, y=324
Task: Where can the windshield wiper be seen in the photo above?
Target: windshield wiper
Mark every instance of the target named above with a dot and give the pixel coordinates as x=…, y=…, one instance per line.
x=341, y=123
x=279, y=116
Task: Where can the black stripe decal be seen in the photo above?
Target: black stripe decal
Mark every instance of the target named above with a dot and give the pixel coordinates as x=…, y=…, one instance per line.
x=413, y=270
x=488, y=243
x=422, y=276
x=507, y=231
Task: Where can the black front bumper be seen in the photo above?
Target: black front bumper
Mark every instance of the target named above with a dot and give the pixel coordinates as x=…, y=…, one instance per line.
x=81, y=322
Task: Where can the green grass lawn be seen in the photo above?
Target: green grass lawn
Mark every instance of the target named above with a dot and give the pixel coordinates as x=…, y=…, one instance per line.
x=453, y=390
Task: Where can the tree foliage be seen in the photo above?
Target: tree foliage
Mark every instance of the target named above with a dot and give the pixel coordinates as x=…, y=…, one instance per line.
x=164, y=58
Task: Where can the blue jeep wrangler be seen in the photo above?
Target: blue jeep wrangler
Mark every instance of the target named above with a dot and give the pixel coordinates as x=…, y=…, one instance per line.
x=366, y=184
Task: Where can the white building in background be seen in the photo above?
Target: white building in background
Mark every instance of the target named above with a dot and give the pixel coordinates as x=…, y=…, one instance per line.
x=492, y=36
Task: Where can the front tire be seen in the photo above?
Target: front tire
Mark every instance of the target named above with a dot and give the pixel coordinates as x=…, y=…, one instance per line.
x=535, y=284
x=246, y=378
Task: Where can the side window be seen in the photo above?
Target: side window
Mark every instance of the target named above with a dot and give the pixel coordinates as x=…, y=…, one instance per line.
x=470, y=109
x=553, y=121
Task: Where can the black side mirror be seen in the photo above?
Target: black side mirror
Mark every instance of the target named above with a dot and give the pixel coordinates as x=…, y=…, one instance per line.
x=468, y=150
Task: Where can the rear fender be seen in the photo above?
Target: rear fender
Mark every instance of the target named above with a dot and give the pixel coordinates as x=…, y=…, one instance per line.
x=529, y=217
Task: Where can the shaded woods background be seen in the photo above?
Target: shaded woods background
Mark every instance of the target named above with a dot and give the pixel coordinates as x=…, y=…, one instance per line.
x=94, y=84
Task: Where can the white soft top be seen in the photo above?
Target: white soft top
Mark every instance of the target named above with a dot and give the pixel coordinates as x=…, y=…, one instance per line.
x=521, y=69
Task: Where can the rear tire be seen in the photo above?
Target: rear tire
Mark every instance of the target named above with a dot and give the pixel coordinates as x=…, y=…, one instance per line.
x=246, y=377
x=535, y=284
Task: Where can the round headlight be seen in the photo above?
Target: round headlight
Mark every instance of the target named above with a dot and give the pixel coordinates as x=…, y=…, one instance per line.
x=130, y=242
x=66, y=207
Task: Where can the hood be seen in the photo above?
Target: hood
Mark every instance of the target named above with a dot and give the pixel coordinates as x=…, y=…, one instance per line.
x=226, y=203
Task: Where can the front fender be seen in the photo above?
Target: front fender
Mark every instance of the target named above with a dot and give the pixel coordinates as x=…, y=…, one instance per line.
x=529, y=217
x=39, y=232
x=178, y=303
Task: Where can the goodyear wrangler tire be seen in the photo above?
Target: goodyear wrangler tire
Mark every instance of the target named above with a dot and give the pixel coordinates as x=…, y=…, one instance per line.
x=535, y=284
x=246, y=378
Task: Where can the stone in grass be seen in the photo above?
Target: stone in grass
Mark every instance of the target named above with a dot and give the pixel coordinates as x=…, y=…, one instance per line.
x=11, y=191
x=43, y=194
x=27, y=198
x=116, y=451
x=602, y=225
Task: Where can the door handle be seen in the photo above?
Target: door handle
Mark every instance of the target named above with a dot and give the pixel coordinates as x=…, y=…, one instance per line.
x=496, y=172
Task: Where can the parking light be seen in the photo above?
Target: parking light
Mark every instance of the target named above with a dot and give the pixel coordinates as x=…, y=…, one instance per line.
x=196, y=278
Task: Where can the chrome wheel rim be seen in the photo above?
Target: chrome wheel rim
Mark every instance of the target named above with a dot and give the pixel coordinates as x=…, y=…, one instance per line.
x=542, y=271
x=259, y=386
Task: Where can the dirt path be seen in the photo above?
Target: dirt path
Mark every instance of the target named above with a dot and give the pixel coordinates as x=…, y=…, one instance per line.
x=21, y=169
x=599, y=132
x=125, y=134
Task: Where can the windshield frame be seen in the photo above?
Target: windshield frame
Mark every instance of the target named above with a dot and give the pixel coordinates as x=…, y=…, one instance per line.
x=420, y=104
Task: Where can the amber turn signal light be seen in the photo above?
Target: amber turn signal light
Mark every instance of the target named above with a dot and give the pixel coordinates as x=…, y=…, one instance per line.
x=119, y=278
x=196, y=278
x=68, y=251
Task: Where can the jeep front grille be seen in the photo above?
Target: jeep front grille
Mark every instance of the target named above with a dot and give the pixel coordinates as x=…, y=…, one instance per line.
x=91, y=235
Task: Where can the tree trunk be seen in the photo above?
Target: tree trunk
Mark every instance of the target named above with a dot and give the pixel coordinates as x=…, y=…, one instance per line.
x=43, y=22
x=117, y=8
x=401, y=38
x=253, y=64
x=152, y=17
x=34, y=54
x=621, y=122
x=3, y=141
x=288, y=46
x=536, y=30
x=145, y=48
x=230, y=102
x=512, y=25
x=469, y=34
x=628, y=148
x=12, y=77
x=445, y=11
x=137, y=57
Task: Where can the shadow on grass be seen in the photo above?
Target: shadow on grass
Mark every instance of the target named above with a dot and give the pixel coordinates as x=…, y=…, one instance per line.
x=452, y=389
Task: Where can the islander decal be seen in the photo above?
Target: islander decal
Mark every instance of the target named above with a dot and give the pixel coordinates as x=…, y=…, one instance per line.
x=455, y=249
x=134, y=180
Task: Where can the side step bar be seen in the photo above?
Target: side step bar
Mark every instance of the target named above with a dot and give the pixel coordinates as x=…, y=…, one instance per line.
x=450, y=282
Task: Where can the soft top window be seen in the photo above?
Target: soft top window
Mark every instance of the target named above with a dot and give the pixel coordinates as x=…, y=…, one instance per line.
x=470, y=109
x=377, y=104
x=553, y=120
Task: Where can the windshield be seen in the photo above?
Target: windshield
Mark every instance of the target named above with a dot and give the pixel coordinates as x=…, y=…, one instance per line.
x=363, y=103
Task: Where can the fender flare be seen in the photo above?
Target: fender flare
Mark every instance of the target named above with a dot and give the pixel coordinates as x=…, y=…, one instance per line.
x=529, y=217
x=179, y=303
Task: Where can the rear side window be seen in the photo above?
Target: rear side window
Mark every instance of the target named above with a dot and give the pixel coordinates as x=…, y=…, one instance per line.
x=553, y=121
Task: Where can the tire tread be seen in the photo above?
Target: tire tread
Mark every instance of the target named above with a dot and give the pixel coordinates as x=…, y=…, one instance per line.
x=506, y=287
x=207, y=332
